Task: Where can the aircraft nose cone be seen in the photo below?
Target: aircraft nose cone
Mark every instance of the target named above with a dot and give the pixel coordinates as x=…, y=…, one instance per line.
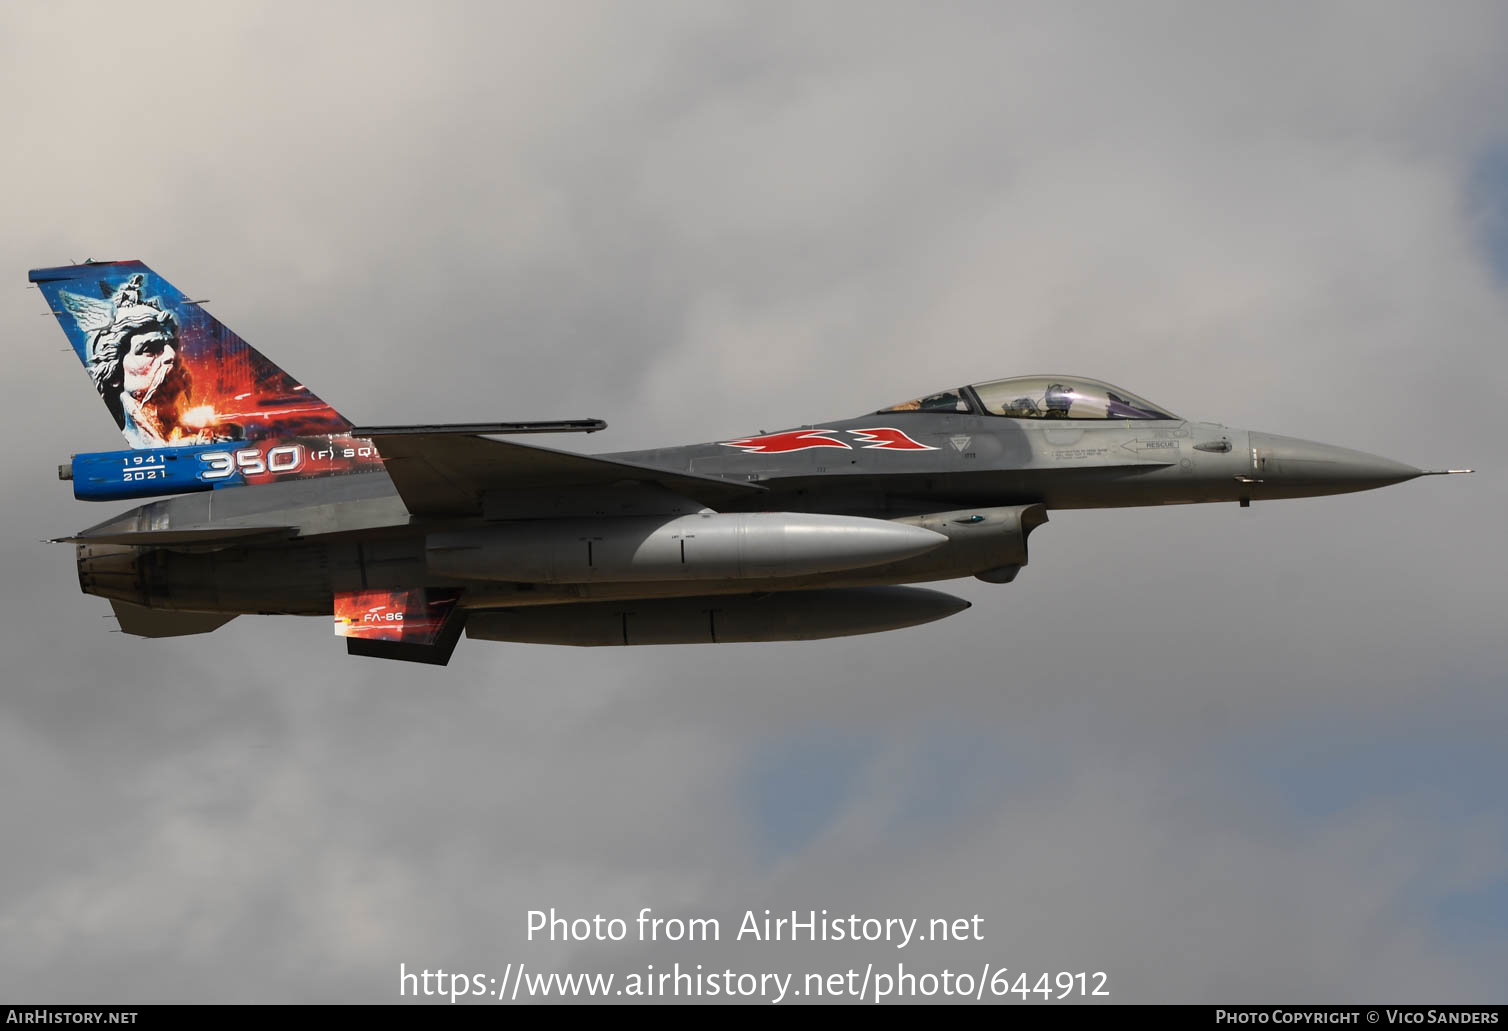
x=1324, y=468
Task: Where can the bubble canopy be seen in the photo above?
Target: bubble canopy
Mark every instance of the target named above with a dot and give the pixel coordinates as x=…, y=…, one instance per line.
x=1040, y=397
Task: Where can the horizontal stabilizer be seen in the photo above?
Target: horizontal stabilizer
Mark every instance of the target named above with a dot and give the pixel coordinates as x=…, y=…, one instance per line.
x=443, y=475
x=140, y=621
x=206, y=537
x=483, y=428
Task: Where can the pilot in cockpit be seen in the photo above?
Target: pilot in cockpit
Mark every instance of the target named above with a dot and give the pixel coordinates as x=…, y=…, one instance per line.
x=1059, y=399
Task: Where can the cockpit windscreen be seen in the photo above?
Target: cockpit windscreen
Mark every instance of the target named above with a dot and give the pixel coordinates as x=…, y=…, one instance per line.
x=1055, y=397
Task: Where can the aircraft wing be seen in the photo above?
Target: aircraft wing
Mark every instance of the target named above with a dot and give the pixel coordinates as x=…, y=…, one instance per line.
x=443, y=474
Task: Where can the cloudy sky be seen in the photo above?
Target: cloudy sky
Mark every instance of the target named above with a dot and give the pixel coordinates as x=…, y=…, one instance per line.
x=1220, y=754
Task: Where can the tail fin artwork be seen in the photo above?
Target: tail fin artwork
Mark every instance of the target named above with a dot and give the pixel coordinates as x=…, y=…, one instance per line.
x=180, y=385
x=168, y=371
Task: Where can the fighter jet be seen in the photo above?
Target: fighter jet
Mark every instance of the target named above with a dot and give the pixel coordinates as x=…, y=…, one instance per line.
x=274, y=503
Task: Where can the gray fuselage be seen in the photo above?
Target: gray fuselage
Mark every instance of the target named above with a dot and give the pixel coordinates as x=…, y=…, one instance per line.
x=982, y=481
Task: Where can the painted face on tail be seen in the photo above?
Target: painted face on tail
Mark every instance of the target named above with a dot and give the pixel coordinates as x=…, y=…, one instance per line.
x=151, y=367
x=154, y=384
